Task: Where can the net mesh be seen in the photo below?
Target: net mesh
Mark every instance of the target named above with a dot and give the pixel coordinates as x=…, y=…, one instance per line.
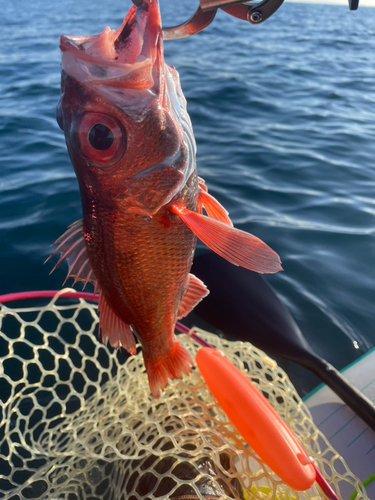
x=77, y=420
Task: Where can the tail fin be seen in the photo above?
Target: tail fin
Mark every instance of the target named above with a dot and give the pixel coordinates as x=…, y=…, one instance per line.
x=172, y=365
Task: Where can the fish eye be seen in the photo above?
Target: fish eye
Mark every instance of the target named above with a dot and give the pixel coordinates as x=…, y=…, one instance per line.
x=100, y=138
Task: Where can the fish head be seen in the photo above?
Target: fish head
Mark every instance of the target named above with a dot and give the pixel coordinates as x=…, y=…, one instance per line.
x=124, y=116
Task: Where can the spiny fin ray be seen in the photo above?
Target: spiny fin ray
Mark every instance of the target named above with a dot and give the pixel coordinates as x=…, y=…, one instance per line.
x=213, y=208
x=72, y=247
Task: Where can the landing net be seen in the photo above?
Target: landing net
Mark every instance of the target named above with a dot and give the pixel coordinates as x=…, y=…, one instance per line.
x=77, y=420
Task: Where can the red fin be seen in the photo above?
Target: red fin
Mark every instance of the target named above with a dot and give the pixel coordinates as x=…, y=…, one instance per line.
x=213, y=208
x=196, y=291
x=72, y=247
x=236, y=246
x=201, y=187
x=202, y=184
x=175, y=362
x=115, y=329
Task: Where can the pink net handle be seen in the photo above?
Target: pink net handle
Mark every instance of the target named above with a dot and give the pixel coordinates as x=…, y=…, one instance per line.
x=47, y=294
x=86, y=296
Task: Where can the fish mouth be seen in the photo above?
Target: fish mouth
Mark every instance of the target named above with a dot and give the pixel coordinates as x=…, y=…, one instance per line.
x=126, y=57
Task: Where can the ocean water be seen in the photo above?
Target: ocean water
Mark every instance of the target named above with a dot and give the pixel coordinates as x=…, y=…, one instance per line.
x=284, y=118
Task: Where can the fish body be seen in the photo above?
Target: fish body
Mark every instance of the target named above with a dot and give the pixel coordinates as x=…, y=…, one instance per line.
x=132, y=146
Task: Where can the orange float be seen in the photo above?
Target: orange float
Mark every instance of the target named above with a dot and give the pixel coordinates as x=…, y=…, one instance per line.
x=256, y=420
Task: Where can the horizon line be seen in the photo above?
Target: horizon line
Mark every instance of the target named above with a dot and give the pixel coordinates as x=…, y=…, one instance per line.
x=362, y=3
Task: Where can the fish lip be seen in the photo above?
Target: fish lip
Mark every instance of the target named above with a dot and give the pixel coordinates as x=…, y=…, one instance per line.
x=69, y=44
x=149, y=29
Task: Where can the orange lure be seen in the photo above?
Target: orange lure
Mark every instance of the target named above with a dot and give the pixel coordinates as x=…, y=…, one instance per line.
x=132, y=146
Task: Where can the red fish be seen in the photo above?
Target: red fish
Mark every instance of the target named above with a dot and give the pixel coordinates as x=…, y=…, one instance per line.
x=131, y=143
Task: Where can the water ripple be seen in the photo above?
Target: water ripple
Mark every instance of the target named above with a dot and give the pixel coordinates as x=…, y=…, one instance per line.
x=284, y=120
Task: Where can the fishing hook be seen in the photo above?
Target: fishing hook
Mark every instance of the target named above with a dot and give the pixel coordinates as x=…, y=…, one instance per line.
x=206, y=11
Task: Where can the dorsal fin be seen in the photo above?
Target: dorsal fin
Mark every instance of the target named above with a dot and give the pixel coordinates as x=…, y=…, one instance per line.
x=202, y=184
x=118, y=332
x=213, y=208
x=196, y=291
x=72, y=247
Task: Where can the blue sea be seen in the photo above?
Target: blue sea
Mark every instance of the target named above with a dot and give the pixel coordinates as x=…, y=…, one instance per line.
x=284, y=119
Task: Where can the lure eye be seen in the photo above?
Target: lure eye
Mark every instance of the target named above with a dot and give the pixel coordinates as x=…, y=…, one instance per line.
x=101, y=139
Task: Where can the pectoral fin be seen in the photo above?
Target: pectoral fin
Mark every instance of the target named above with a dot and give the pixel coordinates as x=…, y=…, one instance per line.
x=196, y=291
x=236, y=246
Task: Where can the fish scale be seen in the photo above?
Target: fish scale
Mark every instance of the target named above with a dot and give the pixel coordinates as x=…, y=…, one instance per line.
x=164, y=262
x=151, y=283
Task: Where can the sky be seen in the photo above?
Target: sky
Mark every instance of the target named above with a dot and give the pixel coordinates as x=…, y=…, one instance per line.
x=362, y=3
